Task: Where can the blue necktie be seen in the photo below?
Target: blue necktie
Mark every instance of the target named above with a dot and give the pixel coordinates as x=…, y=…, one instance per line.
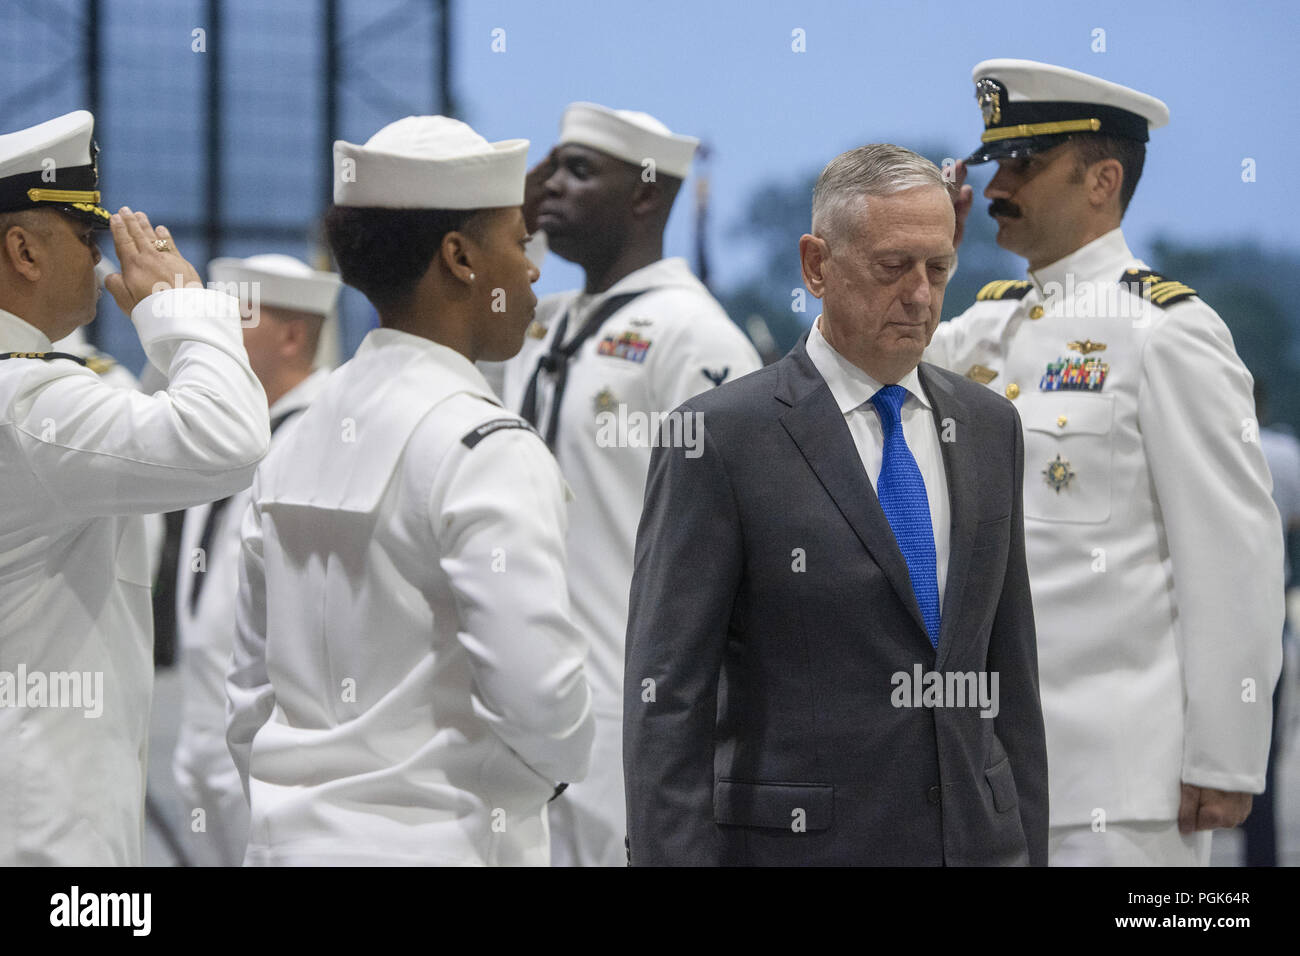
x=901, y=491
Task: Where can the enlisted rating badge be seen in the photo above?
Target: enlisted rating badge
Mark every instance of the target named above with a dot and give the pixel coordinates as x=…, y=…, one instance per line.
x=1074, y=374
x=1058, y=474
x=628, y=346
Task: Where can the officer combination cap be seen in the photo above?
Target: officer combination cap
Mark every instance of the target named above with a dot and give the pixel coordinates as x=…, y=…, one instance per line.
x=283, y=282
x=1029, y=107
x=53, y=166
x=430, y=162
x=628, y=135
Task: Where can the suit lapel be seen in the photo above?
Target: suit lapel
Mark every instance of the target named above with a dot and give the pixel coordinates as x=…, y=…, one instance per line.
x=816, y=425
x=958, y=468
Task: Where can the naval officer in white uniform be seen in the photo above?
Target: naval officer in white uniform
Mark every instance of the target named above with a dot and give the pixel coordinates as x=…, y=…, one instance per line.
x=1154, y=549
x=288, y=304
x=81, y=463
x=640, y=338
x=407, y=686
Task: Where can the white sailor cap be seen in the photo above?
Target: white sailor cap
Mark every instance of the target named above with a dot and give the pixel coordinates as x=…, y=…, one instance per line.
x=53, y=165
x=430, y=162
x=1029, y=107
x=628, y=135
x=282, y=281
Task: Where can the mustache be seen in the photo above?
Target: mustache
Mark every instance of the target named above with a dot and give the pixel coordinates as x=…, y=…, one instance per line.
x=1003, y=207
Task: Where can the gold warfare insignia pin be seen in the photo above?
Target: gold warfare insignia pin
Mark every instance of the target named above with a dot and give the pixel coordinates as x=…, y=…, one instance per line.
x=536, y=330
x=1058, y=474
x=641, y=323
x=1086, y=346
x=990, y=100
x=605, y=401
x=981, y=374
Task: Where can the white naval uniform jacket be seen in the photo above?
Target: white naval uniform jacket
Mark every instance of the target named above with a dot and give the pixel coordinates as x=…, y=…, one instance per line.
x=1156, y=568
x=81, y=463
x=201, y=763
x=690, y=345
x=406, y=685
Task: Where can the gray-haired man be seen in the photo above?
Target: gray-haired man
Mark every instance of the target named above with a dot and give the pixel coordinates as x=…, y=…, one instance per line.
x=845, y=556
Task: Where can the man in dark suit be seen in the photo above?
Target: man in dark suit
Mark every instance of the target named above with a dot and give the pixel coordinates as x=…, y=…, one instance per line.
x=830, y=648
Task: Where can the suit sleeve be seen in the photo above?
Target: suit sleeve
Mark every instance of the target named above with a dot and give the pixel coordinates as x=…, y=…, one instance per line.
x=689, y=558
x=501, y=524
x=250, y=699
x=1013, y=656
x=1197, y=417
x=100, y=450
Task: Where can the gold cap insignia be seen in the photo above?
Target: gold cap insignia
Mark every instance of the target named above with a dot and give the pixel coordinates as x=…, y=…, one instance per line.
x=990, y=100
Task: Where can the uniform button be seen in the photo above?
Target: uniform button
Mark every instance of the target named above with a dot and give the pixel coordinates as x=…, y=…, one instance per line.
x=1012, y=391
x=932, y=795
x=1036, y=312
x=1060, y=422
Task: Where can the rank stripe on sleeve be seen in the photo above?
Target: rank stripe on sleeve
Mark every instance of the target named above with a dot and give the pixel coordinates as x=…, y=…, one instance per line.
x=1003, y=289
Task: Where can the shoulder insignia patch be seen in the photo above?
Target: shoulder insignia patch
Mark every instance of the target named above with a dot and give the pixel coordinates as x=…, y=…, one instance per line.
x=1004, y=289
x=495, y=425
x=45, y=356
x=1150, y=285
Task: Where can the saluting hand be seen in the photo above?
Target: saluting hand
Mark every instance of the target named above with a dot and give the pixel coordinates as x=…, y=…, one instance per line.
x=534, y=189
x=144, y=265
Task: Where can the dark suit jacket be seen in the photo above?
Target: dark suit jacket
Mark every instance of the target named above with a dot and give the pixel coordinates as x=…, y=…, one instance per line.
x=771, y=608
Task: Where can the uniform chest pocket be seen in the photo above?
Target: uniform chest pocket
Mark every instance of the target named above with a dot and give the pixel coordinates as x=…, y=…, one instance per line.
x=1069, y=440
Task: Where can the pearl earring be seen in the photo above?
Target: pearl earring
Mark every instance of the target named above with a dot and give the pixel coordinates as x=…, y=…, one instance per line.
x=471, y=277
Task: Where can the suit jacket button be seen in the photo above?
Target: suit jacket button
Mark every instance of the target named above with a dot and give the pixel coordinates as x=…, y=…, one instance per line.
x=933, y=795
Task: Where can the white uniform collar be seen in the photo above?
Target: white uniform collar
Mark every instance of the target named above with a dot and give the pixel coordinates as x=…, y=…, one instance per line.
x=851, y=386
x=19, y=336
x=1103, y=258
x=664, y=272
x=457, y=368
x=302, y=394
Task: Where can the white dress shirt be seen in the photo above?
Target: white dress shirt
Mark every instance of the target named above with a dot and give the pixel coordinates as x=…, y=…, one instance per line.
x=1156, y=569
x=205, y=774
x=852, y=389
x=81, y=463
x=406, y=685
x=687, y=346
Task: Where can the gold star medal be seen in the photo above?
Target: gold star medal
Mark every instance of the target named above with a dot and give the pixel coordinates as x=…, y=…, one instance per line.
x=1058, y=474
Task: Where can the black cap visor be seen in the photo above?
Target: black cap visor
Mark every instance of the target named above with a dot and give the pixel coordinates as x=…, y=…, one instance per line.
x=1017, y=148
